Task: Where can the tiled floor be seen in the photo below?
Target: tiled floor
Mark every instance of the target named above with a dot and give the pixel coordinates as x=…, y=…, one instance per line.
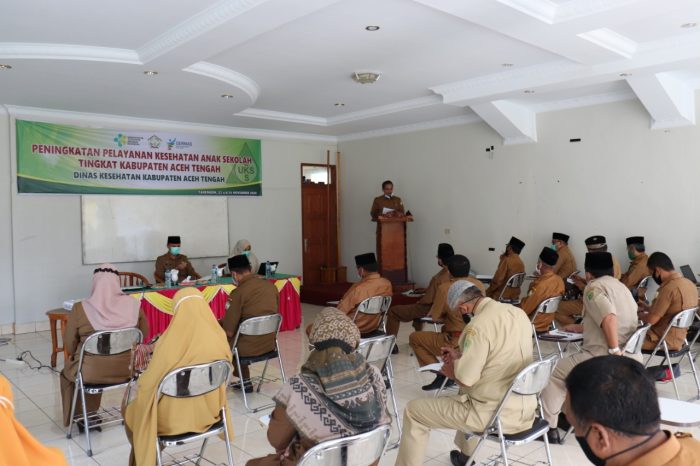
x=38, y=407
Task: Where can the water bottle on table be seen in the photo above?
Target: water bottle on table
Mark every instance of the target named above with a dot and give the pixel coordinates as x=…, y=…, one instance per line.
x=168, y=279
x=214, y=274
x=268, y=269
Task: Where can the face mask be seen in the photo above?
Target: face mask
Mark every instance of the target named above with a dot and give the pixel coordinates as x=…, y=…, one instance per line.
x=597, y=461
x=656, y=279
x=630, y=254
x=388, y=196
x=246, y=253
x=553, y=246
x=175, y=251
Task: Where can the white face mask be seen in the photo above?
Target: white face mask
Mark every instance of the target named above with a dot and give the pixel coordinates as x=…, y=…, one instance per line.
x=388, y=196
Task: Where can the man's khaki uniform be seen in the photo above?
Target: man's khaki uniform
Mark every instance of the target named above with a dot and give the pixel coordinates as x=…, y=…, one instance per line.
x=547, y=285
x=168, y=262
x=381, y=202
x=409, y=312
x=675, y=294
x=371, y=284
x=426, y=345
x=602, y=297
x=566, y=264
x=508, y=266
x=574, y=307
x=681, y=449
x=254, y=297
x=495, y=346
x=636, y=272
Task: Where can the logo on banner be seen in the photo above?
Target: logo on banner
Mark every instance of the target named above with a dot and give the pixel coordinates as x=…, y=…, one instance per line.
x=120, y=139
x=174, y=143
x=124, y=140
x=154, y=141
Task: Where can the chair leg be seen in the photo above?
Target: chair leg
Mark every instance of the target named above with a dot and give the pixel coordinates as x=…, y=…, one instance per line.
x=227, y=438
x=262, y=376
x=241, y=380
x=537, y=344
x=502, y=441
x=85, y=421
x=670, y=368
x=201, y=451
x=279, y=359
x=695, y=375
x=442, y=387
x=159, y=458
x=561, y=353
x=568, y=432
x=76, y=386
x=396, y=410
x=472, y=457
x=546, y=445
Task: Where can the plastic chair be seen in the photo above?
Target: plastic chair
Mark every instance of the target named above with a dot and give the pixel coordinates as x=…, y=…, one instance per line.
x=258, y=326
x=377, y=351
x=192, y=381
x=376, y=305
x=514, y=281
x=682, y=320
x=642, y=286
x=529, y=382
x=359, y=450
x=104, y=343
x=132, y=279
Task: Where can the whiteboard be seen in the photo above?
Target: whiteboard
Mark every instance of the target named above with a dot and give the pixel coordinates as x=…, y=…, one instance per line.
x=135, y=228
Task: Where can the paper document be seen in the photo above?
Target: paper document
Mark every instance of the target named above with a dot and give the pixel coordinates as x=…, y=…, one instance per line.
x=386, y=210
x=332, y=303
x=68, y=305
x=431, y=367
x=562, y=335
x=265, y=420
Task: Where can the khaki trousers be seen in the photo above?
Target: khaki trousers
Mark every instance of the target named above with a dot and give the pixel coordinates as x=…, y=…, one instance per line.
x=567, y=310
x=426, y=345
x=422, y=415
x=405, y=313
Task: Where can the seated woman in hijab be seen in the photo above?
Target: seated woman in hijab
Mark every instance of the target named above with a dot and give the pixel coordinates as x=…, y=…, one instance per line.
x=107, y=308
x=19, y=448
x=244, y=247
x=335, y=377
x=194, y=336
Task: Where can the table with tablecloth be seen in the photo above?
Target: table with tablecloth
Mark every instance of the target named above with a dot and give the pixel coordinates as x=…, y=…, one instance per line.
x=157, y=304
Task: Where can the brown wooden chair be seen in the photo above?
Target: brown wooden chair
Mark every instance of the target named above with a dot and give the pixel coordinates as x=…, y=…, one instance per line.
x=132, y=279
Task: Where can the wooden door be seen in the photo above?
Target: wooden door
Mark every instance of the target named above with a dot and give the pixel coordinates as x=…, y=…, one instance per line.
x=319, y=224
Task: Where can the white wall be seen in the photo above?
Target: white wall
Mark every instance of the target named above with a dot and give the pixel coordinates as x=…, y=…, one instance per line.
x=46, y=229
x=622, y=179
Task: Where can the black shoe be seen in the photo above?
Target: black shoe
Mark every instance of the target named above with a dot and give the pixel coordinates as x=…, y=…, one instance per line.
x=563, y=423
x=248, y=386
x=458, y=458
x=395, y=350
x=552, y=436
x=435, y=384
x=81, y=427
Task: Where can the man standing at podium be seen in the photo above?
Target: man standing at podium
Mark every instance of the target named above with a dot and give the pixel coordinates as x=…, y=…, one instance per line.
x=388, y=201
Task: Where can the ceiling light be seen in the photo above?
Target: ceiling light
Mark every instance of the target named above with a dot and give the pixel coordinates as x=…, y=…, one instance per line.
x=226, y=96
x=366, y=77
x=150, y=73
x=506, y=65
x=372, y=28
x=3, y=66
x=529, y=91
x=625, y=75
x=688, y=25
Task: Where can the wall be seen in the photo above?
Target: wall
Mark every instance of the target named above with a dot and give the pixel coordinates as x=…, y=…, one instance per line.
x=46, y=245
x=622, y=179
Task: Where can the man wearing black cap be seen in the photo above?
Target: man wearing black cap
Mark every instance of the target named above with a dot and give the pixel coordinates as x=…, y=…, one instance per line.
x=509, y=264
x=574, y=307
x=253, y=297
x=566, y=265
x=427, y=345
x=609, y=320
x=370, y=284
x=386, y=201
x=413, y=312
x=638, y=265
x=174, y=260
x=546, y=285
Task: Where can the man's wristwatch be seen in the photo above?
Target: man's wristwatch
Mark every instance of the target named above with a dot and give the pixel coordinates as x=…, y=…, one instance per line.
x=615, y=350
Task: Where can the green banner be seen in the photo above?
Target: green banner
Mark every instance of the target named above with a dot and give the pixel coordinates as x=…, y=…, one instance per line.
x=75, y=160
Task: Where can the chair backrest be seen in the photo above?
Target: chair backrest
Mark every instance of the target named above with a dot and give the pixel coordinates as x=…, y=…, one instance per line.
x=108, y=342
x=358, y=450
x=635, y=342
x=547, y=306
x=189, y=381
x=684, y=319
x=533, y=378
x=257, y=326
x=132, y=279
x=514, y=281
x=377, y=350
x=374, y=305
x=643, y=282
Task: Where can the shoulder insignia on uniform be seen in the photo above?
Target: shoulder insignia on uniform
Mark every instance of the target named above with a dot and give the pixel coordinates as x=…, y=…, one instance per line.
x=469, y=333
x=590, y=295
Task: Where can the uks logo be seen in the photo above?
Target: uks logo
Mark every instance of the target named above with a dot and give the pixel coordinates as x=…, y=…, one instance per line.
x=154, y=141
x=171, y=143
x=120, y=139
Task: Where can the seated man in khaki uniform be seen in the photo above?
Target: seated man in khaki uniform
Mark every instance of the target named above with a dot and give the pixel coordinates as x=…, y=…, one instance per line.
x=174, y=260
x=386, y=201
x=370, y=284
x=614, y=408
x=574, y=307
x=546, y=285
x=676, y=293
x=609, y=320
x=510, y=263
x=413, y=312
x=427, y=346
x=566, y=264
x=493, y=348
x=253, y=297
x=638, y=265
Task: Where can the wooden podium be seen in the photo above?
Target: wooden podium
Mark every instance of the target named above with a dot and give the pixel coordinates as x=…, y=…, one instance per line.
x=391, y=251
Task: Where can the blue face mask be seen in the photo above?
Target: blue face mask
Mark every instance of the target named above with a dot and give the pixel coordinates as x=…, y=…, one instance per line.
x=175, y=250
x=553, y=246
x=246, y=253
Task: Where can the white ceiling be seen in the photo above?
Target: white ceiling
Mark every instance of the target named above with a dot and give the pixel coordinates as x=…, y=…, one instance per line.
x=287, y=62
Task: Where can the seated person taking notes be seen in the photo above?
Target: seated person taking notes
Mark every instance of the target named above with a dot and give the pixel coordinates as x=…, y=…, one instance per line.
x=174, y=260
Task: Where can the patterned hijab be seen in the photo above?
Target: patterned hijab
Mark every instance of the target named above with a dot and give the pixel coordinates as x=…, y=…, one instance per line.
x=337, y=393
